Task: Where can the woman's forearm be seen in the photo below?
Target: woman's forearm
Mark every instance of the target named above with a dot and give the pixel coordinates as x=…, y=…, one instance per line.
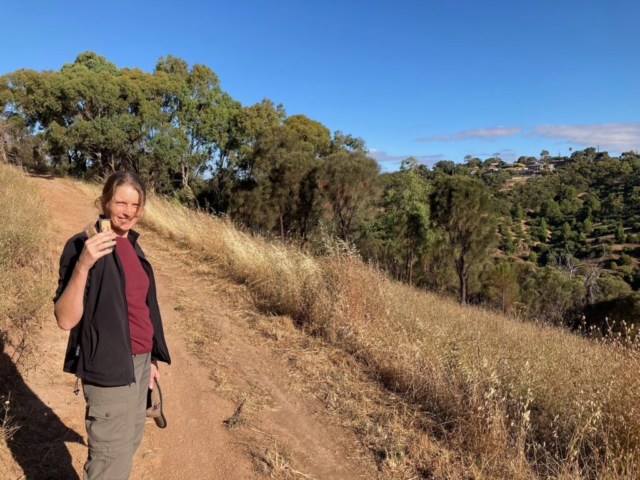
x=70, y=306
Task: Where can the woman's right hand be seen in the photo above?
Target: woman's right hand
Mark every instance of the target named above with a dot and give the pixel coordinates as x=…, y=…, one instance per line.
x=98, y=246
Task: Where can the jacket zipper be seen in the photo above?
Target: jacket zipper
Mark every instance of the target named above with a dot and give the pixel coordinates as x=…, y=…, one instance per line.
x=126, y=307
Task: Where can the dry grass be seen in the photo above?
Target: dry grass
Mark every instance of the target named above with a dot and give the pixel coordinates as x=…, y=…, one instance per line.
x=485, y=396
x=25, y=256
x=25, y=284
x=271, y=459
x=393, y=434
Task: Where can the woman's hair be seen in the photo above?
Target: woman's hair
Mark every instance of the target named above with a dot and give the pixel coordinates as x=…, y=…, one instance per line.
x=116, y=180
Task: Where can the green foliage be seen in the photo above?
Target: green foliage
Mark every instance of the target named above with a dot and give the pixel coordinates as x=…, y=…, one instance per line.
x=551, y=211
x=403, y=227
x=587, y=226
x=268, y=198
x=507, y=245
x=462, y=207
x=517, y=212
x=618, y=234
x=349, y=181
x=550, y=295
x=445, y=166
x=313, y=133
x=288, y=176
x=341, y=141
x=97, y=118
x=518, y=230
x=625, y=259
x=472, y=162
x=613, y=204
x=503, y=288
x=540, y=231
x=612, y=287
x=566, y=233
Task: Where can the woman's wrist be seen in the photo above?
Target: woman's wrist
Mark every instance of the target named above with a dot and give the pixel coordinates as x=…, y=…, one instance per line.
x=81, y=270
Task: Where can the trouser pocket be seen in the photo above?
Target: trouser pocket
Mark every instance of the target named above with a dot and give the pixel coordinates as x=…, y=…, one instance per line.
x=106, y=423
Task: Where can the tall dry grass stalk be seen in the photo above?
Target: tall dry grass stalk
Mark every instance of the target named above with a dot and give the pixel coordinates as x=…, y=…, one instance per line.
x=514, y=399
x=26, y=275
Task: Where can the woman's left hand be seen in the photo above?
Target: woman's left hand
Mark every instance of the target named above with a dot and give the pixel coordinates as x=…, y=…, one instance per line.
x=155, y=373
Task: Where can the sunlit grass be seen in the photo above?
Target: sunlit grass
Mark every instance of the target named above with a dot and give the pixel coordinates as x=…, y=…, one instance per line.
x=26, y=274
x=26, y=285
x=514, y=399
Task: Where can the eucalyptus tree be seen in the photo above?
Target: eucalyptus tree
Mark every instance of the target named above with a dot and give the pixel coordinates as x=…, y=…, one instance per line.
x=342, y=141
x=312, y=132
x=403, y=224
x=350, y=184
x=200, y=111
x=463, y=209
x=268, y=194
x=95, y=118
x=231, y=167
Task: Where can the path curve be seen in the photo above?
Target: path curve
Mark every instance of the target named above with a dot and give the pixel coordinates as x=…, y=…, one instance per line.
x=196, y=444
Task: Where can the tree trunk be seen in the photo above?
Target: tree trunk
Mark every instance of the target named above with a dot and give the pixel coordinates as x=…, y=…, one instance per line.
x=463, y=290
x=185, y=175
x=282, y=227
x=3, y=134
x=409, y=265
x=463, y=275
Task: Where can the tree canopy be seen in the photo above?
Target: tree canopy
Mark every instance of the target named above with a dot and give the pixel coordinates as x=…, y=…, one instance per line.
x=484, y=230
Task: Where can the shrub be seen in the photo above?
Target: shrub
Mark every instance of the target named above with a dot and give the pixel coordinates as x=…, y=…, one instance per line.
x=625, y=259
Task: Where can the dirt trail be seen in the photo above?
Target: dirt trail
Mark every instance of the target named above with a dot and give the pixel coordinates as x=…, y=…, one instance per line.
x=196, y=444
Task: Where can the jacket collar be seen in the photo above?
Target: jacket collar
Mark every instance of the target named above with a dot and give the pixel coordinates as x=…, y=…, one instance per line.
x=133, y=236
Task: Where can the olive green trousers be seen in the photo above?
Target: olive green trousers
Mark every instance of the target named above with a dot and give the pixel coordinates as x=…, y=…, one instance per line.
x=115, y=419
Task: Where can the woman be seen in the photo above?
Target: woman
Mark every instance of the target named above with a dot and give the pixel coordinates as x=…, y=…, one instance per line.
x=106, y=297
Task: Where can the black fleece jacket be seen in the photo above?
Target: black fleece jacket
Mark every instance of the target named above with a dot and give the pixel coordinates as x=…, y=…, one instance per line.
x=99, y=348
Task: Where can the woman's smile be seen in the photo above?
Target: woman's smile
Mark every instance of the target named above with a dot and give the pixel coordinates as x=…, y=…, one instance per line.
x=124, y=209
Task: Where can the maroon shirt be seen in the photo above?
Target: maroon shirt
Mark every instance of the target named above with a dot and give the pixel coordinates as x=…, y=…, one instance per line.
x=136, y=288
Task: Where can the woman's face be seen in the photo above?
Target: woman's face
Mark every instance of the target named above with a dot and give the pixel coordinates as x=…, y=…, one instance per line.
x=124, y=209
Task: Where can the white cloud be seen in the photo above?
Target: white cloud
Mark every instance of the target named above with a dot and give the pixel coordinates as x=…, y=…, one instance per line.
x=383, y=157
x=488, y=133
x=617, y=136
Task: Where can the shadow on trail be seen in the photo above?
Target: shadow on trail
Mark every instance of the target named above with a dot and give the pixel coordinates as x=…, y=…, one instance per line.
x=38, y=445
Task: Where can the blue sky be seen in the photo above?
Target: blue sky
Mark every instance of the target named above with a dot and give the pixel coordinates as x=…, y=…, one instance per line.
x=434, y=79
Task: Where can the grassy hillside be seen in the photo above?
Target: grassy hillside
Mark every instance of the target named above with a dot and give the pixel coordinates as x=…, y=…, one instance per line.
x=26, y=274
x=513, y=399
x=498, y=397
x=26, y=282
